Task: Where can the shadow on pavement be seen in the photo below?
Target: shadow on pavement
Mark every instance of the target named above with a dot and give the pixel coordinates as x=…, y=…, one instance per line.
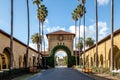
x=100, y=77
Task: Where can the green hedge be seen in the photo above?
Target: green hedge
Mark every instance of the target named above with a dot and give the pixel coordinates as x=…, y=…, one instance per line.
x=13, y=73
x=50, y=59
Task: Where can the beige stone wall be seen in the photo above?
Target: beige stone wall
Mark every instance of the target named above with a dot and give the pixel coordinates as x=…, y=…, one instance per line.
x=67, y=41
x=4, y=42
x=103, y=52
x=19, y=50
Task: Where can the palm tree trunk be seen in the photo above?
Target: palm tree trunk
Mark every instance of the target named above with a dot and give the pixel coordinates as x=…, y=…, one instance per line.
x=11, y=37
x=27, y=51
x=96, y=63
x=39, y=51
x=43, y=45
x=44, y=52
x=84, y=41
x=112, y=35
x=42, y=41
x=79, y=39
x=75, y=42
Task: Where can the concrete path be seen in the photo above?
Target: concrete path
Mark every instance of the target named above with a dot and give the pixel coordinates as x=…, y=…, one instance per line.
x=61, y=74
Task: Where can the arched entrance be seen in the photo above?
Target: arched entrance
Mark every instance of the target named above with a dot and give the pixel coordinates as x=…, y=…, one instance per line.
x=116, y=57
x=60, y=40
x=51, y=60
x=61, y=59
x=5, y=59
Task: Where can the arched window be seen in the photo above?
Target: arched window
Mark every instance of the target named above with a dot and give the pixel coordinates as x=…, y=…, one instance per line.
x=3, y=62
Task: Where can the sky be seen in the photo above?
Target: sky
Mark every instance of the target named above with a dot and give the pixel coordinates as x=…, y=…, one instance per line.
x=61, y=54
x=59, y=18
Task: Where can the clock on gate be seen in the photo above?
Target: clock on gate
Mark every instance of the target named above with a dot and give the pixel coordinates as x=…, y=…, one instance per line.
x=60, y=37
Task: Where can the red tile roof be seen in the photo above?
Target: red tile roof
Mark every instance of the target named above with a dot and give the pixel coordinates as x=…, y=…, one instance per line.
x=45, y=53
x=60, y=32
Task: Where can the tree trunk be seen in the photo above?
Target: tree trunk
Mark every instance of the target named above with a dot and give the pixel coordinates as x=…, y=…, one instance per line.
x=96, y=54
x=112, y=40
x=79, y=39
x=75, y=42
x=11, y=37
x=39, y=51
x=27, y=48
x=42, y=41
x=84, y=40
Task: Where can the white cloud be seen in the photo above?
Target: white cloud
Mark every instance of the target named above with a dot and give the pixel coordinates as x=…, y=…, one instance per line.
x=103, y=2
x=46, y=43
x=102, y=29
x=90, y=31
x=34, y=46
x=46, y=21
x=72, y=29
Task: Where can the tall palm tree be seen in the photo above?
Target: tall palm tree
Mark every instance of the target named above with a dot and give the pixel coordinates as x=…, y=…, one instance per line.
x=28, y=21
x=112, y=35
x=79, y=39
x=11, y=37
x=80, y=12
x=96, y=10
x=38, y=3
x=42, y=14
x=75, y=18
x=84, y=11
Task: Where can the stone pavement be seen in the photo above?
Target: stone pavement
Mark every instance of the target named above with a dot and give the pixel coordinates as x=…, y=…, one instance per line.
x=61, y=74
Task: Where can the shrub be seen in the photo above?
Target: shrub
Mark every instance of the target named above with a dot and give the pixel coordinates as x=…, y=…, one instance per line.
x=13, y=73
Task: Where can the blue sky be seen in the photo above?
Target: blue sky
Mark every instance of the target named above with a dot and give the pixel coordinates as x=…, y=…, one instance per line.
x=59, y=17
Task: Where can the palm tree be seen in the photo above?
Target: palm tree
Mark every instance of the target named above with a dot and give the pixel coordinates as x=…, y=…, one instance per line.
x=84, y=11
x=28, y=19
x=89, y=42
x=80, y=12
x=42, y=14
x=96, y=10
x=112, y=35
x=38, y=3
x=75, y=18
x=80, y=44
x=11, y=37
x=36, y=38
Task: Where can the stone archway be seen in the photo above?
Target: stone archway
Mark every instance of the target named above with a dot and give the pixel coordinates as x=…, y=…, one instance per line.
x=71, y=59
x=5, y=58
x=60, y=40
x=116, y=57
x=60, y=58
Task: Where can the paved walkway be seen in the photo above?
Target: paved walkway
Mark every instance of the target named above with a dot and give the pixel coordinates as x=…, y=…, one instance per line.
x=61, y=74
